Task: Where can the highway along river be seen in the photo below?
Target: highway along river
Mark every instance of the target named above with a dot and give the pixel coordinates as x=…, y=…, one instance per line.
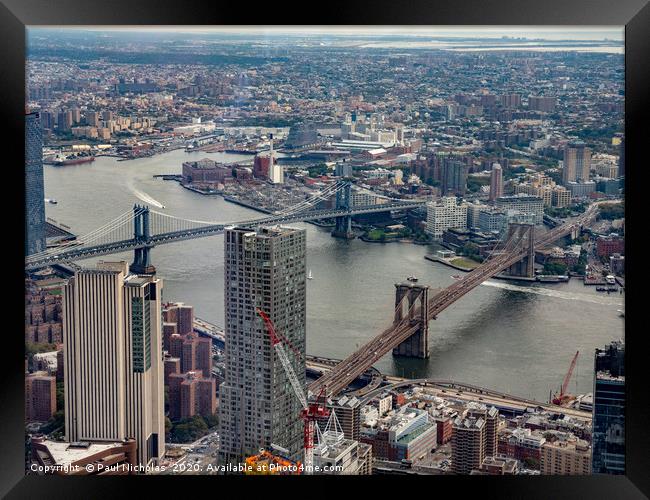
x=510, y=337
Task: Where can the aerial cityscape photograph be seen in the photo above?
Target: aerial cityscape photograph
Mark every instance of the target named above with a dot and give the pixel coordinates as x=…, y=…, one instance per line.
x=324, y=250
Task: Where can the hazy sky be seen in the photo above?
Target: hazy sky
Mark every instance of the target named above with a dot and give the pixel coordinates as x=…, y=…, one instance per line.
x=543, y=32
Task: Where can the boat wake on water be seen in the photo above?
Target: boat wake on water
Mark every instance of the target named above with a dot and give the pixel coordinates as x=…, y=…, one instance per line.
x=594, y=299
x=147, y=199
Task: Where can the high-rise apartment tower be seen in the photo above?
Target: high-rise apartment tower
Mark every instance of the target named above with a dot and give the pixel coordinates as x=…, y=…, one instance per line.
x=496, y=182
x=264, y=268
x=577, y=162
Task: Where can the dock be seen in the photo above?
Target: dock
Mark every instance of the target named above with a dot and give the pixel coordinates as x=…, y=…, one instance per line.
x=595, y=280
x=505, y=277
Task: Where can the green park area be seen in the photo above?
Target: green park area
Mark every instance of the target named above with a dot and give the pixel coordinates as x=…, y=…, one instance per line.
x=378, y=234
x=463, y=262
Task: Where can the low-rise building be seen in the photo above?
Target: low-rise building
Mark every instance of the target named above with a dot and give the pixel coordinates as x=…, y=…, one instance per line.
x=581, y=189
x=617, y=264
x=83, y=458
x=560, y=197
x=206, y=172
x=566, y=457
x=445, y=214
x=523, y=204
x=406, y=434
x=497, y=466
x=606, y=246
x=522, y=444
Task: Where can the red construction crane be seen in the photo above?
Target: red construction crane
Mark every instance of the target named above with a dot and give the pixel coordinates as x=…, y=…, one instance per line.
x=310, y=412
x=563, y=396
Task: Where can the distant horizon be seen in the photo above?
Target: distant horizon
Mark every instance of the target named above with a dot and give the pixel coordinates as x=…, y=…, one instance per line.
x=577, y=33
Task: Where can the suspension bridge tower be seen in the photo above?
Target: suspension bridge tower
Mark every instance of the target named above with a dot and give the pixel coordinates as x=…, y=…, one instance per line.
x=142, y=235
x=407, y=294
x=343, y=227
x=525, y=267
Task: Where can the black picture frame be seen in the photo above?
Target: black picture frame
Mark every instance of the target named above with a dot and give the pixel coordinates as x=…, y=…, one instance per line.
x=16, y=14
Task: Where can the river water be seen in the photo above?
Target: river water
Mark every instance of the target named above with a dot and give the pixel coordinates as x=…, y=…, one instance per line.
x=517, y=338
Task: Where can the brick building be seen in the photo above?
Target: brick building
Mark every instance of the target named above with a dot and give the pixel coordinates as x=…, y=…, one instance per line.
x=42, y=315
x=206, y=172
x=180, y=315
x=608, y=246
x=40, y=397
x=191, y=394
x=172, y=367
x=194, y=352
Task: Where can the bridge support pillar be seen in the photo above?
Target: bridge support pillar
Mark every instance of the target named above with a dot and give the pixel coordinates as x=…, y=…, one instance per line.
x=343, y=227
x=142, y=262
x=141, y=233
x=526, y=266
x=417, y=345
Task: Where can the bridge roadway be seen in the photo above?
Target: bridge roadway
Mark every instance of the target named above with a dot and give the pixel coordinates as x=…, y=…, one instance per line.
x=358, y=362
x=469, y=392
x=449, y=389
x=80, y=252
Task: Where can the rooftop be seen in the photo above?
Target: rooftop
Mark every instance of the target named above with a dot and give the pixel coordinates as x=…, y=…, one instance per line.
x=68, y=453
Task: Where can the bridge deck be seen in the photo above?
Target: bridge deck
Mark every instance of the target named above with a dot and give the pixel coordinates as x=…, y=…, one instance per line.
x=339, y=377
x=170, y=229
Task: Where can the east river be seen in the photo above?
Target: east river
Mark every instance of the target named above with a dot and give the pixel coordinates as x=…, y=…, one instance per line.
x=517, y=338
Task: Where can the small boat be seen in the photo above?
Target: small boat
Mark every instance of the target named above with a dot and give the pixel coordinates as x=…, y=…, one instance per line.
x=61, y=160
x=309, y=276
x=621, y=313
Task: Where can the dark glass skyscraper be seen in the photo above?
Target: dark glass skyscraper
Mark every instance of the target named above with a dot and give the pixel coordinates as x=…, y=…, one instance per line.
x=34, y=190
x=608, y=442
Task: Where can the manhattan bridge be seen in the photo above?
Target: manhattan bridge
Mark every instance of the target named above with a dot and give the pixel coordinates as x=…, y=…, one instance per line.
x=141, y=229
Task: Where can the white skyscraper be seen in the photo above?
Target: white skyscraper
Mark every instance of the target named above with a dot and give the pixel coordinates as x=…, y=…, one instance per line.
x=113, y=375
x=276, y=171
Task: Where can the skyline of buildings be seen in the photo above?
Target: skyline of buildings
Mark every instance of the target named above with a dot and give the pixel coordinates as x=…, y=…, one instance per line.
x=480, y=156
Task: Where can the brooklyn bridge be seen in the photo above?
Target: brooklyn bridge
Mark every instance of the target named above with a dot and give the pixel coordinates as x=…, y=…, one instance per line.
x=414, y=308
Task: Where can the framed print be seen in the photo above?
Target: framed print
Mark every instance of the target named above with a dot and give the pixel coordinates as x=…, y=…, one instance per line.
x=390, y=245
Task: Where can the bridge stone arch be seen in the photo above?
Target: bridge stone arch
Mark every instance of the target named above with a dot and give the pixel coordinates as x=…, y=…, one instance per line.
x=525, y=267
x=409, y=295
